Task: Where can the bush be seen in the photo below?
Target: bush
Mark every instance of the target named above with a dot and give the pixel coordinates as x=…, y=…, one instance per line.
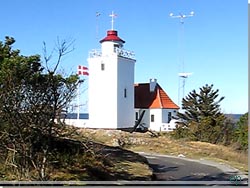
x=241, y=133
x=180, y=133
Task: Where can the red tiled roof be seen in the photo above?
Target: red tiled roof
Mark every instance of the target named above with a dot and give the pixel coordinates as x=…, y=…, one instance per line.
x=157, y=99
x=112, y=36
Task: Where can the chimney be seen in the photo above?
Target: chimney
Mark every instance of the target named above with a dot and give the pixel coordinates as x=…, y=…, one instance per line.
x=152, y=84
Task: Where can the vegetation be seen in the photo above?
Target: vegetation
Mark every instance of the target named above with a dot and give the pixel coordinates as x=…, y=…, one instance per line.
x=31, y=97
x=79, y=158
x=241, y=132
x=203, y=121
x=166, y=144
x=34, y=143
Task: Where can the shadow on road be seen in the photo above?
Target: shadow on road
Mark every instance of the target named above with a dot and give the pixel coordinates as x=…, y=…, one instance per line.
x=212, y=177
x=171, y=172
x=162, y=168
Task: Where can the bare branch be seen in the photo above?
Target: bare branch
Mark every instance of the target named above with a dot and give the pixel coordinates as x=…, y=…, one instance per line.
x=46, y=56
x=63, y=47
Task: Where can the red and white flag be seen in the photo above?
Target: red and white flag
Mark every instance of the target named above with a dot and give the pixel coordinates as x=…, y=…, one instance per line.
x=82, y=70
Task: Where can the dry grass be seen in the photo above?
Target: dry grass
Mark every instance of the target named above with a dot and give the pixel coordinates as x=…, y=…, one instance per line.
x=95, y=162
x=221, y=153
x=121, y=165
x=166, y=145
x=197, y=150
x=125, y=165
x=67, y=175
x=134, y=169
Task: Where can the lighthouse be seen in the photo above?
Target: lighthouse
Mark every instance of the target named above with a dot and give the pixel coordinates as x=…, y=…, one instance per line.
x=111, y=84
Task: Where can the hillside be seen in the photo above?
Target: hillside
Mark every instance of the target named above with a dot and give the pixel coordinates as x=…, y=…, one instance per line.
x=79, y=158
x=164, y=144
x=113, y=155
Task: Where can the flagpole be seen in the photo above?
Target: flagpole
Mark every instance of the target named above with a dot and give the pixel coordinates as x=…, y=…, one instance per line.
x=81, y=71
x=78, y=101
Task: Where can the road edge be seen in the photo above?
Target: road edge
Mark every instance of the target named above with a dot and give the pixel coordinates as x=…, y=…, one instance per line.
x=221, y=166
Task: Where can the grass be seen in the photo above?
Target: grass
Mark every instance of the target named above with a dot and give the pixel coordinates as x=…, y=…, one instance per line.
x=109, y=162
x=197, y=150
x=164, y=144
x=104, y=163
x=135, y=170
x=94, y=161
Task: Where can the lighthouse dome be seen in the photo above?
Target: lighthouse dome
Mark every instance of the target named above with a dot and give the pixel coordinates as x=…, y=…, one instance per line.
x=112, y=35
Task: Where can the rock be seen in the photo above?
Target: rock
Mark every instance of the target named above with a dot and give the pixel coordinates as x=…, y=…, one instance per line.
x=181, y=155
x=115, y=142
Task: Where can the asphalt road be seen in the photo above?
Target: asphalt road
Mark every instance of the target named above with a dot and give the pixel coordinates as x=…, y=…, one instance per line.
x=170, y=168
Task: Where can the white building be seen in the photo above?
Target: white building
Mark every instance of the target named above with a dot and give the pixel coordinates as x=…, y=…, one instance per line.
x=111, y=84
x=115, y=102
x=159, y=108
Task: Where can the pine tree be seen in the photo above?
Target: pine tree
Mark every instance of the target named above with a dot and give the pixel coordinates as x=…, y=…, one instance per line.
x=202, y=116
x=241, y=133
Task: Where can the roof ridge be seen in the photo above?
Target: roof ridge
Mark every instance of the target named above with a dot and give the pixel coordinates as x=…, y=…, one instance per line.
x=159, y=94
x=157, y=99
x=164, y=96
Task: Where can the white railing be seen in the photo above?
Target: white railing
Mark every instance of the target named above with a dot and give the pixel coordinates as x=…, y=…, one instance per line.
x=119, y=51
x=95, y=53
x=125, y=53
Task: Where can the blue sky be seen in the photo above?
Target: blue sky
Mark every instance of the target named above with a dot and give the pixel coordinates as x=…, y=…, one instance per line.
x=215, y=39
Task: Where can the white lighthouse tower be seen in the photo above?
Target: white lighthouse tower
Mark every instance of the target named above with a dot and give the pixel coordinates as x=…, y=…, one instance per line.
x=111, y=84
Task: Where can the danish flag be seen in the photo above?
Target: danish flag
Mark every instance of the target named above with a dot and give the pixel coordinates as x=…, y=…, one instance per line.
x=82, y=70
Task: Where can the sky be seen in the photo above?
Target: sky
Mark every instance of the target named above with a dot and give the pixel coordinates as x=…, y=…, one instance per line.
x=213, y=43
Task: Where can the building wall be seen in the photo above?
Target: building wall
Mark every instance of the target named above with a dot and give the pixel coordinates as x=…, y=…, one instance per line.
x=108, y=108
x=125, y=90
x=146, y=118
x=103, y=92
x=165, y=114
x=161, y=122
x=168, y=123
x=156, y=124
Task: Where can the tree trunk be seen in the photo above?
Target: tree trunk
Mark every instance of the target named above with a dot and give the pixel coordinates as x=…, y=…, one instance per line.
x=43, y=165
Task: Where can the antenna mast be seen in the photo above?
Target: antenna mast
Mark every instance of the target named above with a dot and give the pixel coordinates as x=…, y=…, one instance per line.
x=97, y=14
x=182, y=75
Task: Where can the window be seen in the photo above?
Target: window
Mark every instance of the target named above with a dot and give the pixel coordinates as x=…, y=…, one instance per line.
x=136, y=115
x=152, y=117
x=102, y=66
x=116, y=46
x=125, y=93
x=169, y=116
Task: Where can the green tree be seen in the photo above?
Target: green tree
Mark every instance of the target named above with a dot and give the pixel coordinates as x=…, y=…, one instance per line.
x=226, y=136
x=202, y=116
x=31, y=98
x=241, y=132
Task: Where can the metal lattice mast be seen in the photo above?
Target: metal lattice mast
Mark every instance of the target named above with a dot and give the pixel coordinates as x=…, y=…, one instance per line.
x=182, y=75
x=97, y=14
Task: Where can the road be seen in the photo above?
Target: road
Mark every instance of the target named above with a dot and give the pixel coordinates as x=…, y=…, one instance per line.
x=170, y=168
